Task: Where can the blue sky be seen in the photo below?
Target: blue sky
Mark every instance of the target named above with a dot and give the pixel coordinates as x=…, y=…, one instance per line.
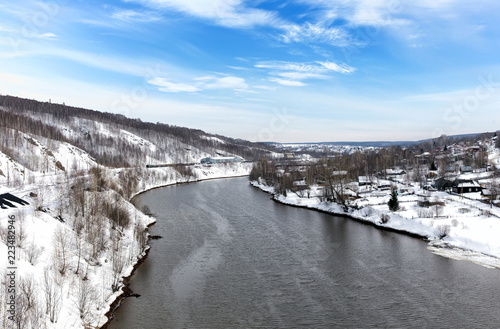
x=294, y=71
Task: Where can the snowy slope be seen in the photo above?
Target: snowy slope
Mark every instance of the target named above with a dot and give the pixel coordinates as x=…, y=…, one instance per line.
x=71, y=244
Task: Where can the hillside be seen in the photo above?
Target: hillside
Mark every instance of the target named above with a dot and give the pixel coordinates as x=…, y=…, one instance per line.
x=77, y=235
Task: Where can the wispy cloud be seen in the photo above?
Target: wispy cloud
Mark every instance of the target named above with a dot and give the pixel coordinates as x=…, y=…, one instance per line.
x=200, y=84
x=229, y=13
x=135, y=16
x=293, y=73
x=290, y=83
x=235, y=83
x=301, y=75
x=342, y=68
x=317, y=32
x=48, y=35
x=171, y=87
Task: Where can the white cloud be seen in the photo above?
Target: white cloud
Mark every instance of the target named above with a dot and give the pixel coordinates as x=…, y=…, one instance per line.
x=287, y=66
x=171, y=87
x=300, y=75
x=377, y=13
x=315, y=33
x=230, y=13
x=291, y=83
x=238, y=68
x=263, y=87
x=343, y=68
x=135, y=16
x=200, y=84
x=47, y=35
x=235, y=83
x=291, y=73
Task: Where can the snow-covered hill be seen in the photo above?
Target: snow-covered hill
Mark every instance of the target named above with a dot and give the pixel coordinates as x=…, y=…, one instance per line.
x=77, y=235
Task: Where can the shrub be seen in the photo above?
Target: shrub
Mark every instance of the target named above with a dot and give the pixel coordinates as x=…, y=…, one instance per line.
x=384, y=218
x=442, y=231
x=424, y=213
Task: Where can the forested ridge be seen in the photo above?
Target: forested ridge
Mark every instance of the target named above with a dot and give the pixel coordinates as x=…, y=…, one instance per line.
x=47, y=119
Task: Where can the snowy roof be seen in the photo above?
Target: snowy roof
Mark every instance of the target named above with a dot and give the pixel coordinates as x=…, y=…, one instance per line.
x=468, y=183
x=365, y=179
x=339, y=173
x=395, y=171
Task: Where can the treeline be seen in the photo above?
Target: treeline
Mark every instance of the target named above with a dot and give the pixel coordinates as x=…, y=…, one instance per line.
x=101, y=148
x=62, y=113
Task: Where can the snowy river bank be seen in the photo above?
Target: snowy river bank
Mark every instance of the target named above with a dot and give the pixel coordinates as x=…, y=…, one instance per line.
x=470, y=237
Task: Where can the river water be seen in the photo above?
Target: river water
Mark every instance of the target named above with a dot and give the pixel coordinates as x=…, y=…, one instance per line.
x=232, y=258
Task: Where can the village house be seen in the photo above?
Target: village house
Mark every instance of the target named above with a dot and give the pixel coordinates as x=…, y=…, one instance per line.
x=365, y=180
x=466, y=186
x=443, y=184
x=466, y=169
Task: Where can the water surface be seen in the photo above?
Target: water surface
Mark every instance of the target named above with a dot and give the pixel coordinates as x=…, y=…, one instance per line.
x=232, y=258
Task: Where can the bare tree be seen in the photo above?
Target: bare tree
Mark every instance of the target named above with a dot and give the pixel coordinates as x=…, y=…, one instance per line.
x=29, y=291
x=79, y=244
x=33, y=252
x=118, y=260
x=52, y=295
x=21, y=237
x=86, y=302
x=21, y=318
x=438, y=210
x=61, y=249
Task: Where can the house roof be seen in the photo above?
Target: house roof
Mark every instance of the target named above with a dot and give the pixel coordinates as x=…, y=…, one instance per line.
x=365, y=179
x=395, y=172
x=339, y=173
x=466, y=183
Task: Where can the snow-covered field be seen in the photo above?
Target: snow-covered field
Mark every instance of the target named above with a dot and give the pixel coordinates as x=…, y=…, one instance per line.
x=471, y=226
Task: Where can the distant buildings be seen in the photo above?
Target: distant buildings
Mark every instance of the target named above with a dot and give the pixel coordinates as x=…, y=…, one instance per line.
x=212, y=160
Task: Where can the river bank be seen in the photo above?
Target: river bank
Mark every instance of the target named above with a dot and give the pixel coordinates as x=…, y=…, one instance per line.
x=466, y=238
x=231, y=258
x=202, y=174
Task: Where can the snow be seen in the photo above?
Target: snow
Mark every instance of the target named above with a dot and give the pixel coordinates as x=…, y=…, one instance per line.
x=134, y=139
x=47, y=175
x=213, y=138
x=165, y=176
x=473, y=225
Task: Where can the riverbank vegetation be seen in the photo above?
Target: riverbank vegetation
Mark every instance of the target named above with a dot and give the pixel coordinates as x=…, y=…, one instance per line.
x=444, y=190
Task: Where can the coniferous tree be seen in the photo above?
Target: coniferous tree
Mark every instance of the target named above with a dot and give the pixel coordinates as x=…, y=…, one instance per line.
x=393, y=201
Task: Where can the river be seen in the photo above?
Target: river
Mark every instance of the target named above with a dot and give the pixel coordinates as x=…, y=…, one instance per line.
x=232, y=258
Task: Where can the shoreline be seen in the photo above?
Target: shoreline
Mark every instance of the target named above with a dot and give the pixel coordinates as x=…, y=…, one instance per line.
x=431, y=243
x=181, y=183
x=345, y=215
x=126, y=291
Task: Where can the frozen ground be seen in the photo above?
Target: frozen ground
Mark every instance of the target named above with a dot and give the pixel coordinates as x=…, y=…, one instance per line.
x=38, y=228
x=472, y=227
